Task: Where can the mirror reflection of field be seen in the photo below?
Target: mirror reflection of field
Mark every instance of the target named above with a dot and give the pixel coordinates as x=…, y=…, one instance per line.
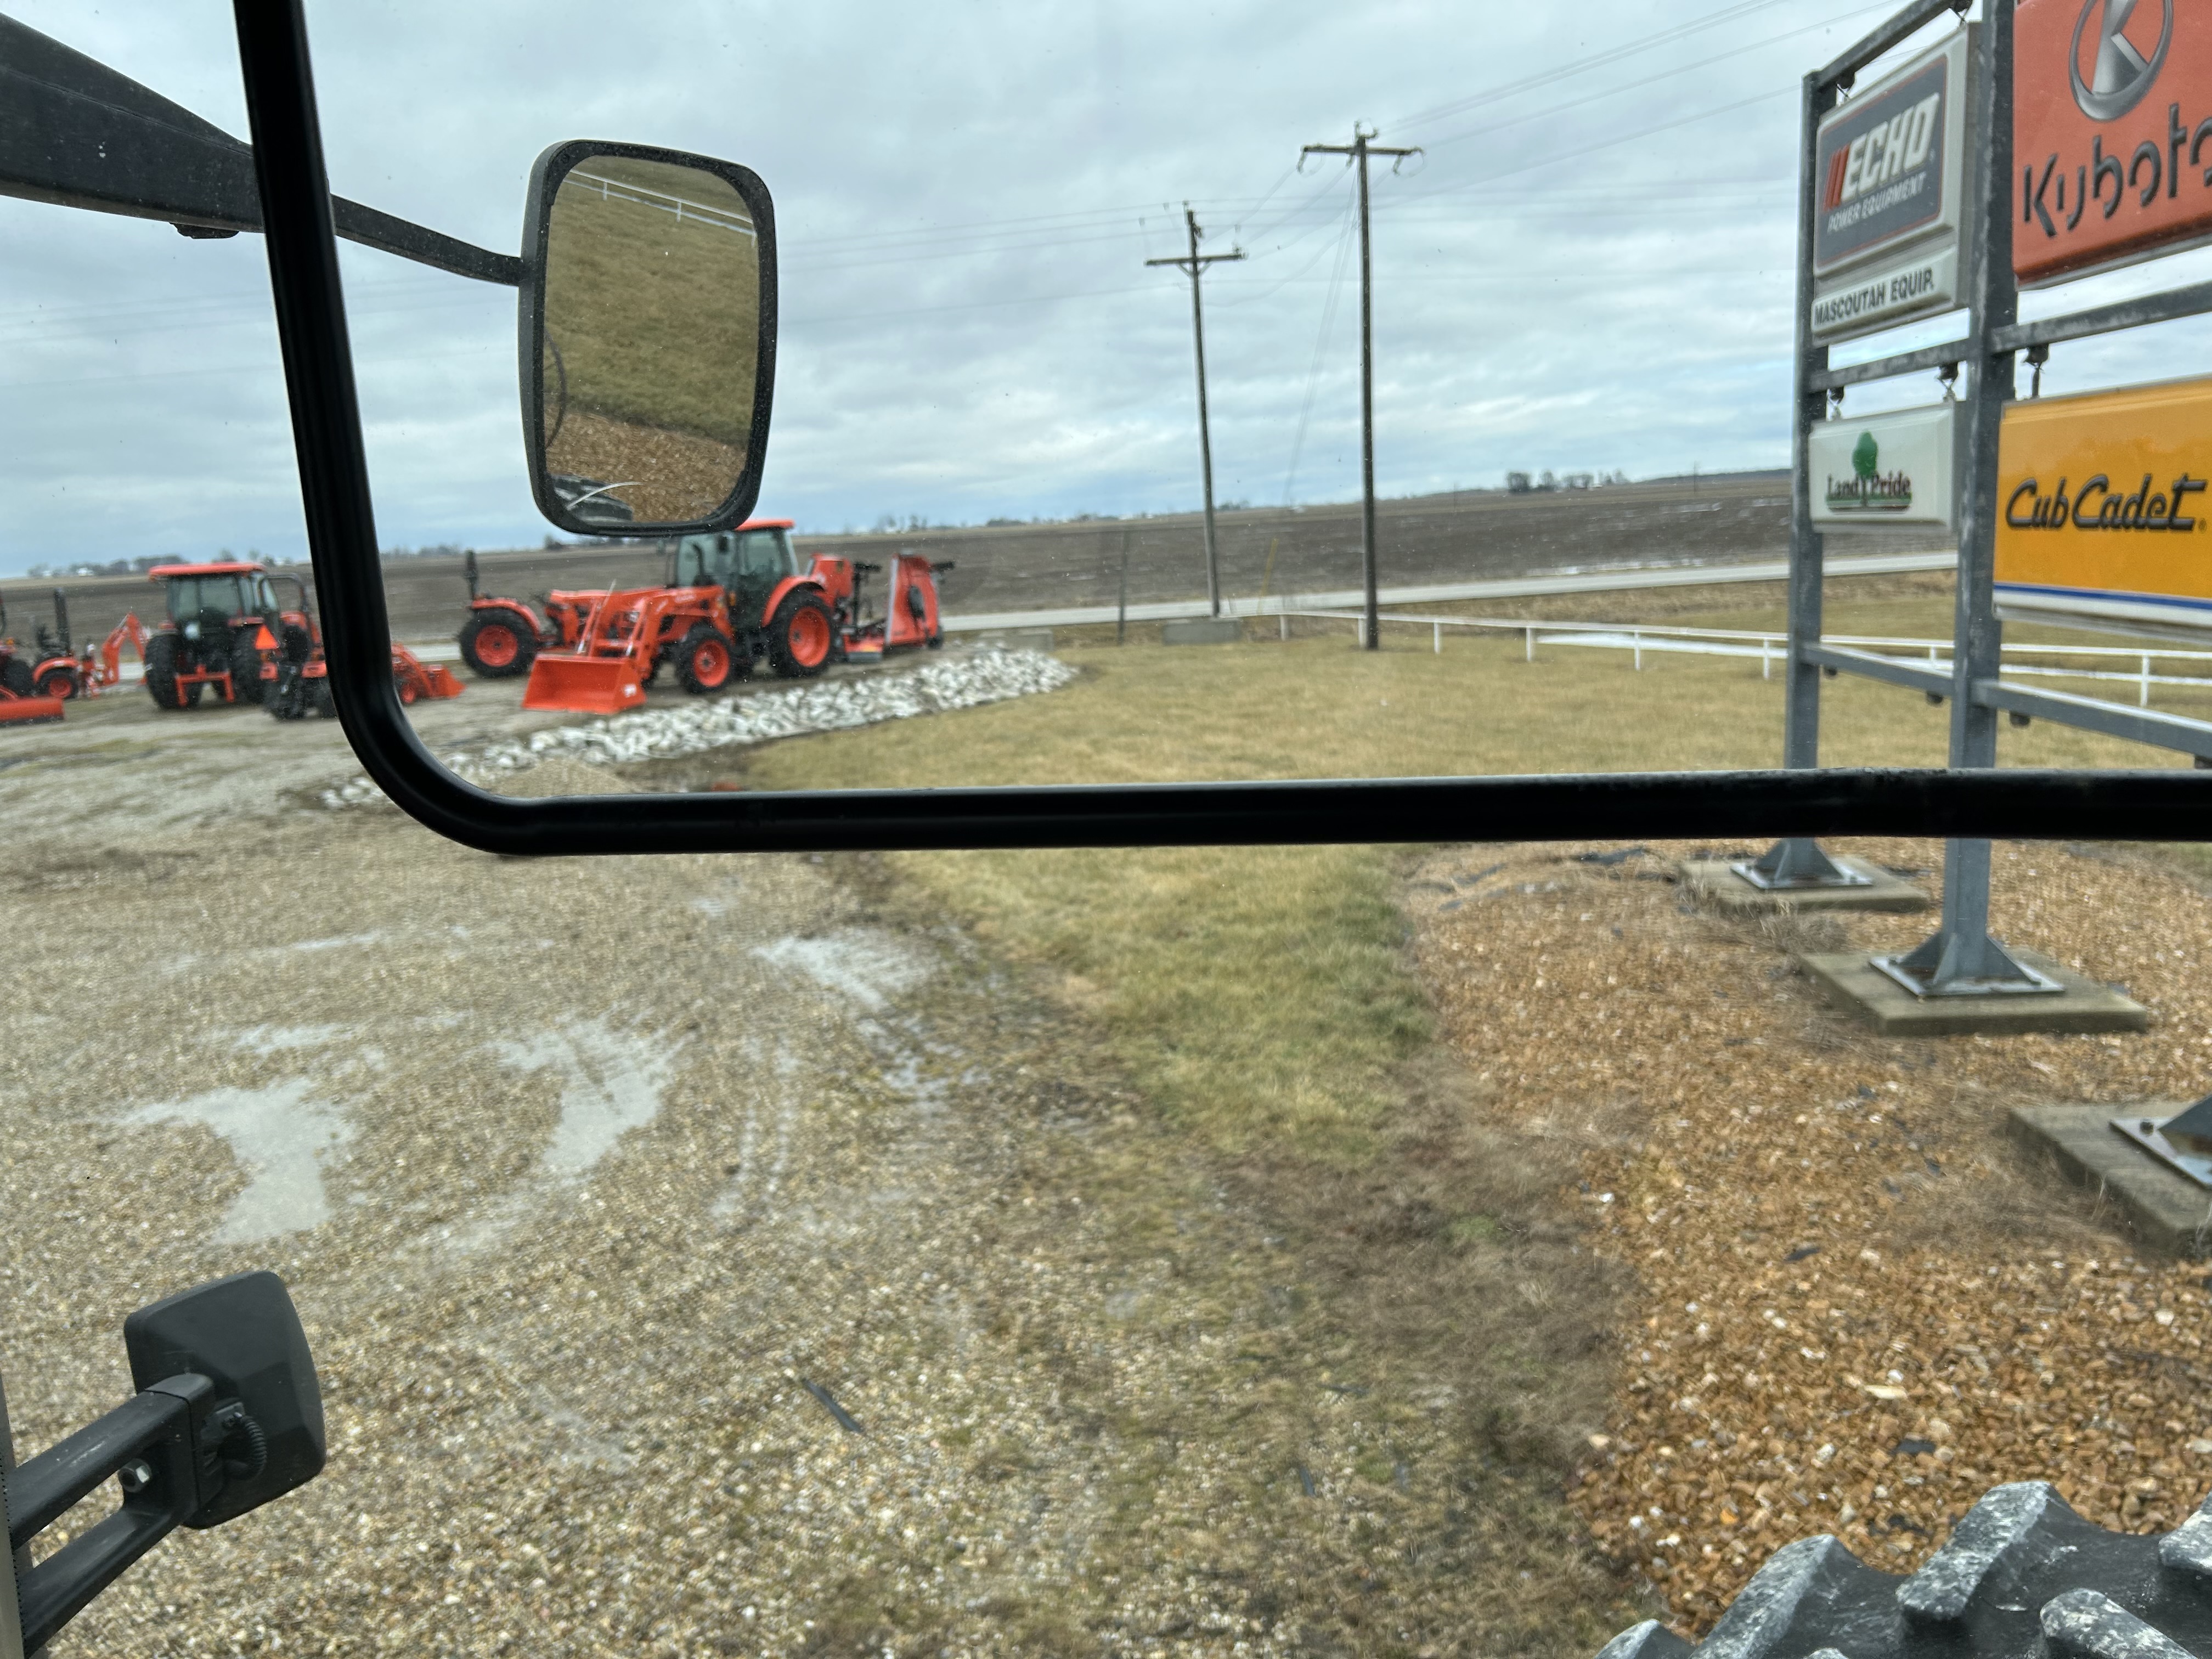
x=651, y=299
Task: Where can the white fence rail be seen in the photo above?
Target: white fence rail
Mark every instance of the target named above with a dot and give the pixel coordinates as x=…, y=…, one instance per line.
x=1639, y=638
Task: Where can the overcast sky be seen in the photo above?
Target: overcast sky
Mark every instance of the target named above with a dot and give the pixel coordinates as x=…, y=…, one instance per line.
x=1589, y=269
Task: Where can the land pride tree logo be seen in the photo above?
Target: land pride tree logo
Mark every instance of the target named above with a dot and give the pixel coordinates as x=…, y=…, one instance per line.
x=1869, y=490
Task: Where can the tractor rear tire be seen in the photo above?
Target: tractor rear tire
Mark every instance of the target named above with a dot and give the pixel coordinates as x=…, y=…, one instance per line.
x=2022, y=1574
x=799, y=637
x=161, y=673
x=498, y=644
x=706, y=662
x=245, y=681
x=15, y=674
x=57, y=683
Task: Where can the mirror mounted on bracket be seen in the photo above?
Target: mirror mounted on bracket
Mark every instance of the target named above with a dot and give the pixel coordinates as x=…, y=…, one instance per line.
x=229, y=1415
x=646, y=335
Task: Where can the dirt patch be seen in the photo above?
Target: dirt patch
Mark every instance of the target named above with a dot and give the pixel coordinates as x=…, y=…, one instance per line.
x=1856, y=1307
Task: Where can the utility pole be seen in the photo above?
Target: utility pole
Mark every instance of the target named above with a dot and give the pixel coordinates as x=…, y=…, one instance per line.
x=1360, y=149
x=1194, y=262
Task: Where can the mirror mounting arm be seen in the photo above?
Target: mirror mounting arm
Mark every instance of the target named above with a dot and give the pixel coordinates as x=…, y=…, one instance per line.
x=157, y=1431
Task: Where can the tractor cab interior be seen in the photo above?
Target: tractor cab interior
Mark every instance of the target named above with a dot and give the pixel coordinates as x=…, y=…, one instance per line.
x=735, y=558
x=192, y=598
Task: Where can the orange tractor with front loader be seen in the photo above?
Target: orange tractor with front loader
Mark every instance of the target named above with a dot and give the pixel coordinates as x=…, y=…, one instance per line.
x=729, y=601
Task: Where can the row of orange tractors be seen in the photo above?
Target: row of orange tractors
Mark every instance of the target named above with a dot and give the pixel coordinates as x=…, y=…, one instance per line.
x=728, y=602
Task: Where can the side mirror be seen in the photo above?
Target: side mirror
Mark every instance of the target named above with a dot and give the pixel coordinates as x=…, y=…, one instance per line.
x=243, y=1335
x=227, y=1415
x=646, y=331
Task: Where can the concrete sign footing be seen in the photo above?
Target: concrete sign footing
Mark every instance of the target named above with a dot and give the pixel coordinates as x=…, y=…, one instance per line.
x=2165, y=1210
x=2080, y=1003
x=1716, y=882
x=1202, y=631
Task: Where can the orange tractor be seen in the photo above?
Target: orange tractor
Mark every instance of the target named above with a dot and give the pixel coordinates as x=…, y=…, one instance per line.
x=58, y=671
x=729, y=601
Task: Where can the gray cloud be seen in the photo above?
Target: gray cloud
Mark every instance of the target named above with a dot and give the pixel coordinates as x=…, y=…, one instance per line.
x=1594, y=273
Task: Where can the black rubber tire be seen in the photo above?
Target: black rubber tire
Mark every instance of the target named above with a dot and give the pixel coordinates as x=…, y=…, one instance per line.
x=525, y=644
x=780, y=656
x=245, y=682
x=936, y=642
x=2022, y=1574
x=294, y=643
x=685, y=656
x=282, y=702
x=58, y=682
x=162, y=672
x=326, y=706
x=15, y=674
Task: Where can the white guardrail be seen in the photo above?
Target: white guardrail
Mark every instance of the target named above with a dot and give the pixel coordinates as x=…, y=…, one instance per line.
x=1638, y=638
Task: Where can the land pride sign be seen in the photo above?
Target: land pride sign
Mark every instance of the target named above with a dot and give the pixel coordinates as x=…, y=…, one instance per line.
x=1889, y=183
x=2103, y=511
x=1884, y=470
x=2111, y=132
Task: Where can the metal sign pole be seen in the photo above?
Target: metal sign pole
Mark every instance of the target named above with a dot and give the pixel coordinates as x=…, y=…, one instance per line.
x=1961, y=959
x=1798, y=862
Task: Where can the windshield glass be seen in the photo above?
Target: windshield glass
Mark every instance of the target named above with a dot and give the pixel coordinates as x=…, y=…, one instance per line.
x=190, y=596
x=1474, y=1248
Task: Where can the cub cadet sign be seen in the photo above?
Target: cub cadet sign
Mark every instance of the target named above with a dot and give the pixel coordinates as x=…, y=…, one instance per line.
x=1886, y=470
x=1887, y=168
x=2111, y=127
x=2102, y=507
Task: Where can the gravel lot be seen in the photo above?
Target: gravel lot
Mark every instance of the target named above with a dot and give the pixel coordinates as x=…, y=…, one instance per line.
x=597, y=1183
x=1859, y=1308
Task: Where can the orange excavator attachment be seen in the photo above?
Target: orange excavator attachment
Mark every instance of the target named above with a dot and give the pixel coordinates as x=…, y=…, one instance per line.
x=583, y=685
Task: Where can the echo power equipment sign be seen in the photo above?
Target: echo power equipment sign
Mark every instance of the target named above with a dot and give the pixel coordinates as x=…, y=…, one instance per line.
x=2112, y=133
x=1889, y=181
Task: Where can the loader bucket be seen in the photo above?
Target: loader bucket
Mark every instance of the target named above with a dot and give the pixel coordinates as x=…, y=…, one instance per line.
x=583, y=685
x=442, y=682
x=29, y=711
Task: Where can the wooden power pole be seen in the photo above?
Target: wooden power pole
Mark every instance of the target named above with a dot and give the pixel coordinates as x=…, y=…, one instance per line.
x=1360, y=149
x=1194, y=262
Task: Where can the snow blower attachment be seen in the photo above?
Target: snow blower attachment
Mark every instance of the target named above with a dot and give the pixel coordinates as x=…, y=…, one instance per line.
x=229, y=1415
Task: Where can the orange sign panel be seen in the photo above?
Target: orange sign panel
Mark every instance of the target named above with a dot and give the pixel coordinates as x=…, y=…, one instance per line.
x=2112, y=133
x=2103, y=510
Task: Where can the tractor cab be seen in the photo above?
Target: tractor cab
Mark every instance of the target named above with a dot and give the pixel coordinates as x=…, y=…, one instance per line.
x=748, y=562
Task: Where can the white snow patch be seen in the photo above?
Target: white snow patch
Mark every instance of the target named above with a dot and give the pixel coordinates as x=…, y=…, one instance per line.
x=266, y=1040
x=866, y=967
x=281, y=1137
x=611, y=1083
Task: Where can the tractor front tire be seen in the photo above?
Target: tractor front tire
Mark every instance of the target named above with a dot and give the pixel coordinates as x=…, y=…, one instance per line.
x=161, y=673
x=799, y=636
x=15, y=674
x=498, y=644
x=2020, y=1574
x=706, y=662
x=57, y=683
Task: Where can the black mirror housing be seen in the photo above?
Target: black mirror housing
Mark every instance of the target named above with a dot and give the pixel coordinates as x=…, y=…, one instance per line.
x=646, y=335
x=243, y=1335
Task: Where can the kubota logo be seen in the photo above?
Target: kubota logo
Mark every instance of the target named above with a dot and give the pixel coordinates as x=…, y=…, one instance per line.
x=2121, y=74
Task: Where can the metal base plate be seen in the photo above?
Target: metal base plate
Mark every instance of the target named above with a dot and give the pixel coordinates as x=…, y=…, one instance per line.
x=2034, y=983
x=1758, y=877
x=2144, y=1132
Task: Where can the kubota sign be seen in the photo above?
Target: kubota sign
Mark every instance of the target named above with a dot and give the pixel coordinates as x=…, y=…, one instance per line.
x=2112, y=133
x=2103, y=511
x=1889, y=172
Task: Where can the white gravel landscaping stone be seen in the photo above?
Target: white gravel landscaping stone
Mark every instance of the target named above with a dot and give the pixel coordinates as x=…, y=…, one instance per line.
x=964, y=682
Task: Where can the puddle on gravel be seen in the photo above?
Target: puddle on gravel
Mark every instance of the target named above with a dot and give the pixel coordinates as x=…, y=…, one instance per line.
x=866, y=966
x=279, y=1136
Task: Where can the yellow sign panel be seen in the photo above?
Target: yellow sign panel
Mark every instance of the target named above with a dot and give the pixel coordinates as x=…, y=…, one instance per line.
x=2103, y=517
